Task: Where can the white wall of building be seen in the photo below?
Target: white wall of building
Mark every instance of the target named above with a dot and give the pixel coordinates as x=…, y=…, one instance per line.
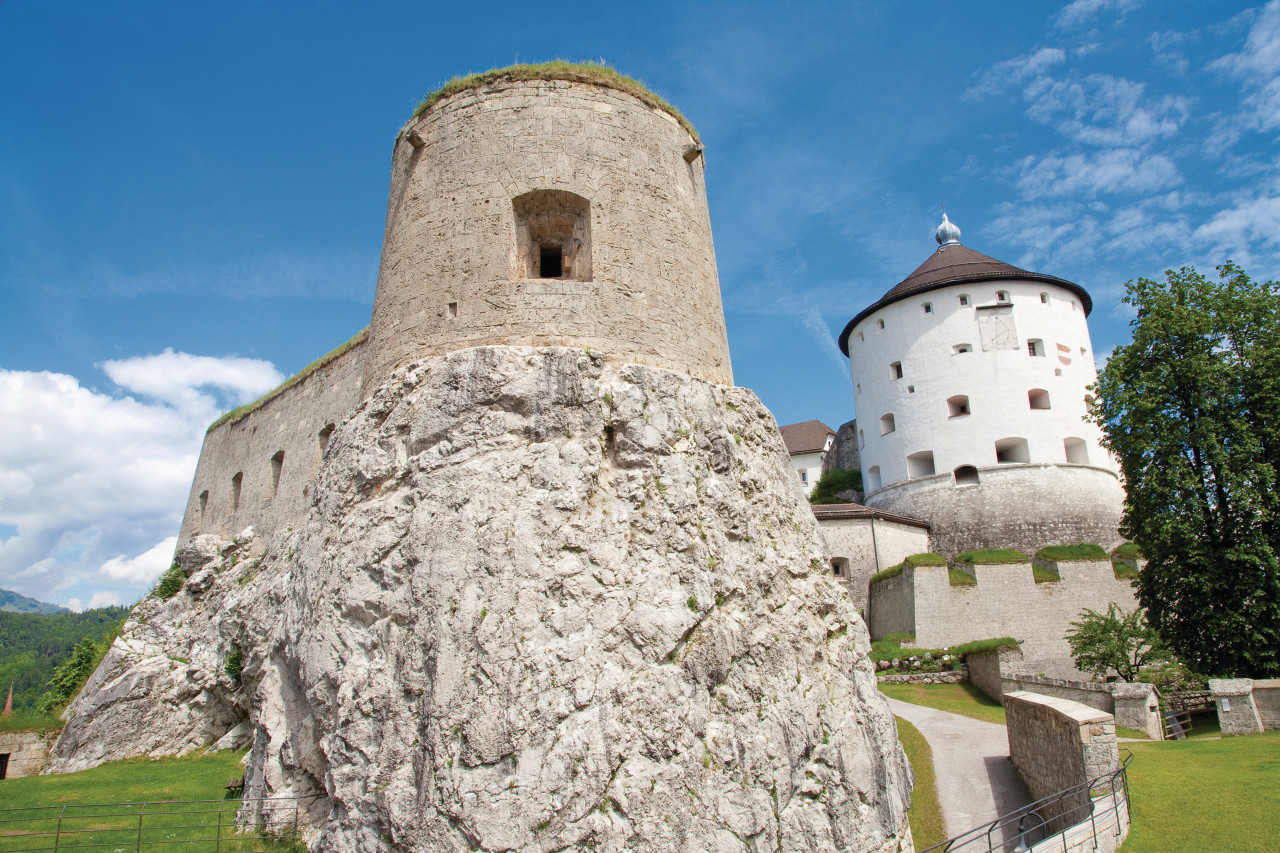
x=809, y=468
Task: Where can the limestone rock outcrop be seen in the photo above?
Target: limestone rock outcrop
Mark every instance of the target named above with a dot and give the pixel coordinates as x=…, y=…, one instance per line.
x=540, y=602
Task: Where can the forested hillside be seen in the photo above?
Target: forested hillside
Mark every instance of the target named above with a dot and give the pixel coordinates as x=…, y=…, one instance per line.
x=33, y=644
x=13, y=602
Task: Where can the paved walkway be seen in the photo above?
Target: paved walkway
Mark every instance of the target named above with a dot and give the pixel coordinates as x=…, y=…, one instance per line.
x=976, y=780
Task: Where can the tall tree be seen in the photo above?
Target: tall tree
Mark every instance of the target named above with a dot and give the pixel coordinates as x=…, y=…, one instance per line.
x=1192, y=410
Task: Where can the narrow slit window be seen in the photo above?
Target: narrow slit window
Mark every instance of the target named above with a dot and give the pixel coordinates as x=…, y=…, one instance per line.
x=1038, y=398
x=236, y=482
x=957, y=406
x=862, y=438
x=204, y=504
x=277, y=464
x=880, y=324
x=550, y=261
x=1044, y=298
x=887, y=424
x=959, y=349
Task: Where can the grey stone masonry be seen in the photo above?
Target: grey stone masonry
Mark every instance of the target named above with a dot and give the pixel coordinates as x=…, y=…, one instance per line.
x=1137, y=706
x=28, y=752
x=1266, y=697
x=1237, y=712
x=1057, y=744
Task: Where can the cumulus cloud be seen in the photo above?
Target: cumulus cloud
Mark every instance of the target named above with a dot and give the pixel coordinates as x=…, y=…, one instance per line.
x=1101, y=109
x=1257, y=66
x=94, y=484
x=1241, y=229
x=1080, y=13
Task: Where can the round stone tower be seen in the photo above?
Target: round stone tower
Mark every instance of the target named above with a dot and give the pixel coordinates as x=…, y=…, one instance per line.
x=548, y=212
x=970, y=384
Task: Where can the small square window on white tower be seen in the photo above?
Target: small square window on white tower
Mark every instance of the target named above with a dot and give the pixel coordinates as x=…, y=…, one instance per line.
x=1002, y=296
x=957, y=406
x=1044, y=297
x=964, y=299
x=1038, y=398
x=1035, y=348
x=928, y=307
x=962, y=348
x=920, y=464
x=895, y=370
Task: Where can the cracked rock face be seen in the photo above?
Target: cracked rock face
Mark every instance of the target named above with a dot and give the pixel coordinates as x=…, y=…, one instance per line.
x=545, y=603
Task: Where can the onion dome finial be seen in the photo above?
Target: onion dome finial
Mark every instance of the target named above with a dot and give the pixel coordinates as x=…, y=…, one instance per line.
x=947, y=233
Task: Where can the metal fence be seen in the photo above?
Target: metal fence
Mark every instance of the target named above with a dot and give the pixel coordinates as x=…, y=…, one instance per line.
x=188, y=826
x=1090, y=816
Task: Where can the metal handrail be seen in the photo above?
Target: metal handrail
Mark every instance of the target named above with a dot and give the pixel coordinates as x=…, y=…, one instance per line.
x=63, y=825
x=1031, y=824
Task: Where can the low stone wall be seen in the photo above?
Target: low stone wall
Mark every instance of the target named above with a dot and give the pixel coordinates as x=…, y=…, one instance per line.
x=1134, y=706
x=1246, y=706
x=1057, y=744
x=28, y=752
x=924, y=677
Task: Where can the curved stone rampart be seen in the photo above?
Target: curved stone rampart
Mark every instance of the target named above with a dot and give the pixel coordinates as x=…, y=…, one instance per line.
x=608, y=187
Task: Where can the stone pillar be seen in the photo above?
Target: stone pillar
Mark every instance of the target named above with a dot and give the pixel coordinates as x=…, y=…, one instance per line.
x=1138, y=707
x=1237, y=713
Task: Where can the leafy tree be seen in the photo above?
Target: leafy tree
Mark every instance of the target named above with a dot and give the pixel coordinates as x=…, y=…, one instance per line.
x=833, y=482
x=1192, y=410
x=71, y=675
x=1114, y=641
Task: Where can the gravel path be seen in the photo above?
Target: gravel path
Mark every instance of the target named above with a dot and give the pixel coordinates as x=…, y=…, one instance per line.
x=976, y=780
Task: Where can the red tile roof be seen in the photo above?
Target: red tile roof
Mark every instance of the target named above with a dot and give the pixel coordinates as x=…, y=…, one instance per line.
x=824, y=512
x=806, y=436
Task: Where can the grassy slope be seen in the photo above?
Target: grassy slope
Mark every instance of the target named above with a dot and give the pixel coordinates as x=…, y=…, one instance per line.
x=925, y=814
x=1220, y=795
x=195, y=777
x=962, y=698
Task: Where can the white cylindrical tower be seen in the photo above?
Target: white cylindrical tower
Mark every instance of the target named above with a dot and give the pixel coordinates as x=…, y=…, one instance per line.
x=971, y=389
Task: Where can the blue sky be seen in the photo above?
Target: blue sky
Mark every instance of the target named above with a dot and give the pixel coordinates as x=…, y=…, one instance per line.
x=192, y=197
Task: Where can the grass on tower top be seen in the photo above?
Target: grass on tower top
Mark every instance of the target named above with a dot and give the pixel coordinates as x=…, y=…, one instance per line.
x=597, y=73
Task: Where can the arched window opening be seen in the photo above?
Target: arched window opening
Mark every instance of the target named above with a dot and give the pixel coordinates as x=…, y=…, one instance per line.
x=1012, y=450
x=857, y=389
x=277, y=463
x=895, y=370
x=1077, y=451
x=964, y=299
x=873, y=478
x=204, y=504
x=957, y=406
x=860, y=337
x=1002, y=296
x=966, y=475
x=1035, y=348
x=236, y=482
x=862, y=439
x=325, y=435
x=886, y=424
x=928, y=308
x=1038, y=398
x=920, y=464
x=1089, y=403
x=962, y=348
x=553, y=235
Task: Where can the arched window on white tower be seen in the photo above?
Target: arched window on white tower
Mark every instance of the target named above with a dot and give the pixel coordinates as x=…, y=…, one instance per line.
x=1002, y=296
x=886, y=424
x=920, y=464
x=1077, y=451
x=873, y=478
x=966, y=475
x=1012, y=450
x=957, y=406
x=1038, y=398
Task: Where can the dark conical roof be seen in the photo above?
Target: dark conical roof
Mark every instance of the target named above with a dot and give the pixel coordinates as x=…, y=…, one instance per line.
x=952, y=264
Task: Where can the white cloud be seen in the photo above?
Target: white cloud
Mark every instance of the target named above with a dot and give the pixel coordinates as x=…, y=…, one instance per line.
x=144, y=568
x=92, y=482
x=1237, y=231
x=1112, y=171
x=1016, y=71
x=1080, y=12
x=1100, y=109
x=104, y=598
x=1257, y=65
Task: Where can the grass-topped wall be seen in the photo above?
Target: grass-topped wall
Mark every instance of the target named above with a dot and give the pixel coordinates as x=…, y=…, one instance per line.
x=1066, y=553
x=992, y=557
x=596, y=73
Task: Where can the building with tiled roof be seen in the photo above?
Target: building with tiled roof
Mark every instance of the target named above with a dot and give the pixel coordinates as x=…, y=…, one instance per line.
x=809, y=443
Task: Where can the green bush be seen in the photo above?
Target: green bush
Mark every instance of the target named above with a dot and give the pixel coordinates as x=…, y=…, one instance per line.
x=959, y=577
x=171, y=581
x=832, y=482
x=234, y=665
x=71, y=675
x=1061, y=553
x=992, y=557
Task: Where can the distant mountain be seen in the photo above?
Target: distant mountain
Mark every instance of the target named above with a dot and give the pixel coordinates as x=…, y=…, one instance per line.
x=11, y=602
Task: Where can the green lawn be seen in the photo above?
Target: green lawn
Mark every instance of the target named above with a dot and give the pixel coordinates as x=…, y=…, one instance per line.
x=1194, y=795
x=32, y=805
x=925, y=815
x=962, y=698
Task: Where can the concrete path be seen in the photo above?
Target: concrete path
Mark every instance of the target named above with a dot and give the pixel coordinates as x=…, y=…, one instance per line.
x=976, y=780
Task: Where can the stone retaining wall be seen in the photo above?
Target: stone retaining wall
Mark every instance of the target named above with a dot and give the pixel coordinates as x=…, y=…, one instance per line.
x=28, y=752
x=924, y=677
x=1057, y=744
x=1246, y=706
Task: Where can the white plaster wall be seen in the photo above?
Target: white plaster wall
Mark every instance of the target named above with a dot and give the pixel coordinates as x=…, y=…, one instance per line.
x=810, y=464
x=996, y=381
